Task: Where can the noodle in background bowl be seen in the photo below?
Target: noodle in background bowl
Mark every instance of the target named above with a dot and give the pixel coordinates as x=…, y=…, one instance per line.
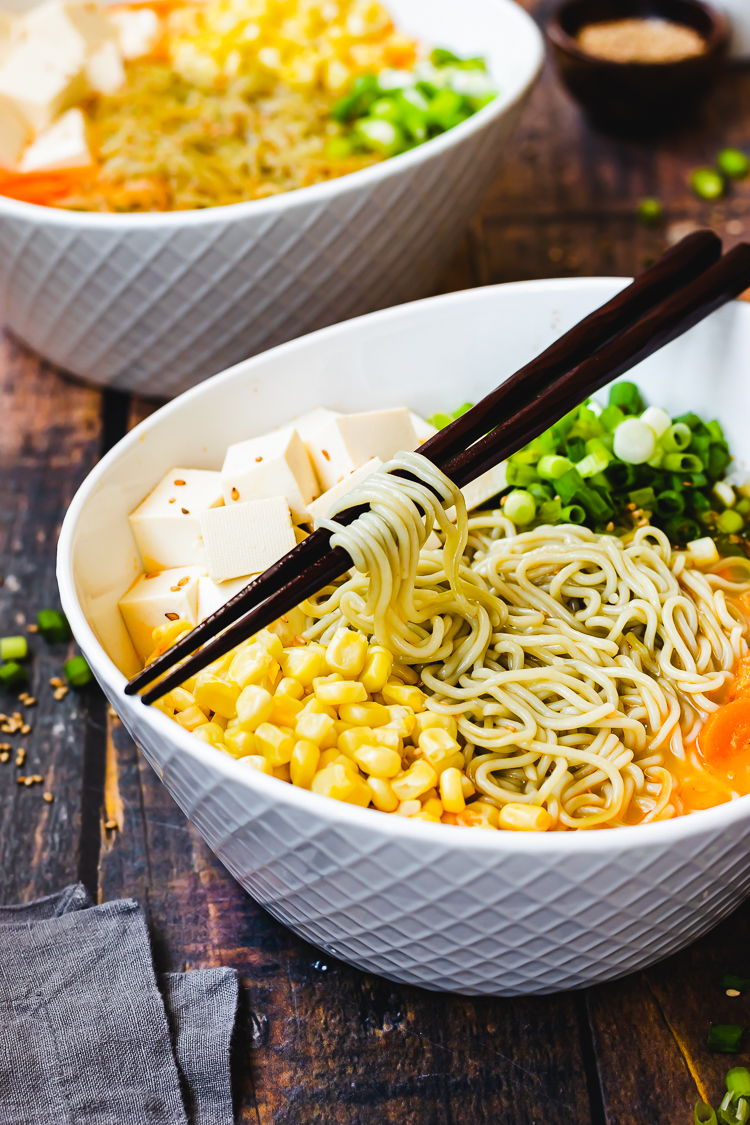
x=447, y=908
x=153, y=303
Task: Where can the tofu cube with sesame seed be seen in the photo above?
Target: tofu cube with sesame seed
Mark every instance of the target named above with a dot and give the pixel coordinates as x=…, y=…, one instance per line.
x=246, y=538
x=157, y=598
x=166, y=526
x=276, y=464
x=346, y=443
x=213, y=595
x=320, y=508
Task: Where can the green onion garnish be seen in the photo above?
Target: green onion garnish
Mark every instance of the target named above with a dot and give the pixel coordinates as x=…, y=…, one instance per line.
x=725, y=1037
x=12, y=674
x=703, y=1114
x=53, y=625
x=13, y=648
x=738, y=1081
x=77, y=672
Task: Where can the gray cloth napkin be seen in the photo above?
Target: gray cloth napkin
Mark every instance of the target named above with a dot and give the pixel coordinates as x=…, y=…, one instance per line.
x=85, y=1034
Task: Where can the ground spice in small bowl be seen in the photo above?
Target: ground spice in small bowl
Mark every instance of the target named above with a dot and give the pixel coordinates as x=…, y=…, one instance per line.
x=641, y=41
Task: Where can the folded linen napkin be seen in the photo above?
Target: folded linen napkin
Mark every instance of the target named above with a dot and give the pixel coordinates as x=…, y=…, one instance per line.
x=86, y=1035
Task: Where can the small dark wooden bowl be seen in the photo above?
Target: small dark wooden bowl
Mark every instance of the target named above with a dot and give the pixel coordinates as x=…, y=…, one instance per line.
x=637, y=98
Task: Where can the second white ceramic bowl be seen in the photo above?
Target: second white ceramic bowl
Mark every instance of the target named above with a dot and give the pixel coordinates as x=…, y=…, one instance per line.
x=155, y=303
x=429, y=904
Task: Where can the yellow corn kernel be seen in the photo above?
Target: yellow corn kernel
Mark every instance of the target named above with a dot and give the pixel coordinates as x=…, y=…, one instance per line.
x=378, y=761
x=239, y=743
x=433, y=807
x=189, y=684
x=478, y=815
x=314, y=706
x=435, y=738
x=163, y=706
x=448, y=818
x=377, y=669
x=164, y=636
x=254, y=706
x=277, y=743
x=272, y=677
x=402, y=719
x=220, y=720
x=337, y=782
x=312, y=726
x=403, y=695
x=467, y=788
x=302, y=664
x=443, y=757
x=451, y=793
x=179, y=699
x=289, y=626
x=315, y=646
x=191, y=718
x=330, y=741
x=290, y=687
x=417, y=780
x=382, y=795
x=282, y=772
x=422, y=815
x=221, y=665
x=365, y=714
x=218, y=695
x=233, y=724
x=285, y=710
x=303, y=764
x=257, y=762
x=210, y=733
x=409, y=808
x=249, y=666
x=345, y=691
x=524, y=818
x=351, y=740
x=328, y=756
x=427, y=720
x=347, y=652
x=405, y=672
x=271, y=643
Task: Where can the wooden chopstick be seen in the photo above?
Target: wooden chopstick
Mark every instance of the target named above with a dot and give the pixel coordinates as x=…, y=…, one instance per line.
x=684, y=262
x=672, y=318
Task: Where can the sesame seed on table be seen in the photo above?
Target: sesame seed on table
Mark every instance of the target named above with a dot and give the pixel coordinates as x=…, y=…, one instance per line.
x=320, y=1042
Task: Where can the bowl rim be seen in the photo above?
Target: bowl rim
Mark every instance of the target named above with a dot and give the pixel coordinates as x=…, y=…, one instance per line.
x=707, y=822
x=362, y=179
x=716, y=41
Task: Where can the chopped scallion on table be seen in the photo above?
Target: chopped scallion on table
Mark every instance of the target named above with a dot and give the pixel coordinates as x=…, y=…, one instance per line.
x=53, y=625
x=12, y=674
x=704, y=1114
x=13, y=648
x=77, y=672
x=725, y=1037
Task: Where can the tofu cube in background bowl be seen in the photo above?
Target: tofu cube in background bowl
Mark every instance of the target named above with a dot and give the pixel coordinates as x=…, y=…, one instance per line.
x=155, y=302
x=443, y=907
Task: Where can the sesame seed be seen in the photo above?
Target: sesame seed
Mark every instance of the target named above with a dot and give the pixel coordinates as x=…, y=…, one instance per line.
x=179, y=482
x=30, y=701
x=20, y=780
x=25, y=729
x=4, y=757
x=32, y=628
x=183, y=582
x=55, y=682
x=172, y=499
x=28, y=781
x=153, y=574
x=48, y=798
x=185, y=512
x=733, y=992
x=326, y=454
x=235, y=494
x=174, y=589
x=172, y=616
x=258, y=459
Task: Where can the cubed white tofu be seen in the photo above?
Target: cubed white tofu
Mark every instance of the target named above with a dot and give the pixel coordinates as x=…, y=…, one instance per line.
x=14, y=133
x=69, y=24
x=104, y=617
x=63, y=145
x=308, y=424
x=479, y=491
x=276, y=464
x=349, y=441
x=213, y=595
x=157, y=598
x=105, y=73
x=320, y=508
x=166, y=526
x=42, y=81
x=246, y=538
x=422, y=428
x=139, y=31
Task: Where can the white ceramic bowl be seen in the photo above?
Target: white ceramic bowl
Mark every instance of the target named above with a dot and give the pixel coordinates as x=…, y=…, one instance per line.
x=446, y=908
x=155, y=303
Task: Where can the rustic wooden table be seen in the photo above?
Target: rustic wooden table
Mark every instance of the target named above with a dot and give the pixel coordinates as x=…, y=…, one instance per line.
x=319, y=1041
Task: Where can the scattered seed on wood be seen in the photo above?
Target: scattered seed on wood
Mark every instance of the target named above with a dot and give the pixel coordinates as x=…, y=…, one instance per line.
x=59, y=694
x=54, y=682
x=48, y=798
x=25, y=729
x=32, y=628
x=30, y=701
x=4, y=757
x=733, y=992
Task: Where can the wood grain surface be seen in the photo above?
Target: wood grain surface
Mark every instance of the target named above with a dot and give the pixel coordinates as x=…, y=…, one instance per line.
x=319, y=1042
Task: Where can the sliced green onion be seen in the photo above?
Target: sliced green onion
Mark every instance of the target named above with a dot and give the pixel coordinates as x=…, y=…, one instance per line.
x=715, y=431
x=463, y=409
x=670, y=503
x=703, y=1114
x=541, y=492
x=733, y=1110
x=14, y=648
x=726, y=1037
x=620, y=475
x=568, y=485
x=682, y=463
x=635, y=442
x=643, y=498
x=718, y=459
x=593, y=463
x=379, y=135
x=575, y=448
x=733, y=163
x=520, y=506
x=681, y=530
x=522, y=475
x=550, y=511
x=53, y=625
x=725, y=493
x=553, y=466
x=739, y=984
x=574, y=513
x=730, y=522
x=738, y=1081
x=656, y=461
x=627, y=397
x=650, y=212
x=12, y=674
x=657, y=419
x=611, y=417
x=77, y=672
x=677, y=438
x=440, y=421
x=707, y=183
x=743, y=505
